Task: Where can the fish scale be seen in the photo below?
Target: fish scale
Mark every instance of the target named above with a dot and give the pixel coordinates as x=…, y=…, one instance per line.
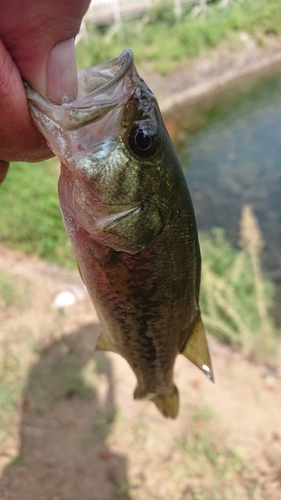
x=129, y=216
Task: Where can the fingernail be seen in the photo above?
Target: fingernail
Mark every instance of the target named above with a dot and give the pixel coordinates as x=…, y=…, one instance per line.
x=62, y=72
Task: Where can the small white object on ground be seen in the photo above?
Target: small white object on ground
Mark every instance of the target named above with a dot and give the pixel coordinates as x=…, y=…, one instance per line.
x=68, y=297
x=64, y=299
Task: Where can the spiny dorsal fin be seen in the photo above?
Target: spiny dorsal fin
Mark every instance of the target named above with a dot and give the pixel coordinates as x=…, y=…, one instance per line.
x=197, y=351
x=104, y=344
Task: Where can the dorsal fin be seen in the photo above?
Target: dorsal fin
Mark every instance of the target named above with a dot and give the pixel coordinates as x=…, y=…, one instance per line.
x=197, y=351
x=103, y=343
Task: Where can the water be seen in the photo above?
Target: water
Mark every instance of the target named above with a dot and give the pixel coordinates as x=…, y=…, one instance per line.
x=230, y=149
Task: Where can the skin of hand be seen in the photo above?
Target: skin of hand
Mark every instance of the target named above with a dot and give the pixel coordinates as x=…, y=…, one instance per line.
x=37, y=45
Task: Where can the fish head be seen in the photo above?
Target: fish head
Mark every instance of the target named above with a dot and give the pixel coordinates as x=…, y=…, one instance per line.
x=113, y=145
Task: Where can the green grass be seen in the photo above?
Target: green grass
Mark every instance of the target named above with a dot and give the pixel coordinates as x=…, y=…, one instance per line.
x=103, y=424
x=30, y=214
x=12, y=380
x=164, y=42
x=10, y=389
x=12, y=292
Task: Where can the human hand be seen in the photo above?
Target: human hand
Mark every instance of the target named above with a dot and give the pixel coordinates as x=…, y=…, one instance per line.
x=37, y=45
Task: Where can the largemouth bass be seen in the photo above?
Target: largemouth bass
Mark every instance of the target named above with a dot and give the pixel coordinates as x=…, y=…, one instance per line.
x=128, y=213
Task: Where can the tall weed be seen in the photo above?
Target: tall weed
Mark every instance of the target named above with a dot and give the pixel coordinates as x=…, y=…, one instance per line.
x=235, y=298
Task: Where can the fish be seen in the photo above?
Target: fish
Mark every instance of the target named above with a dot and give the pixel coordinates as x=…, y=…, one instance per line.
x=128, y=213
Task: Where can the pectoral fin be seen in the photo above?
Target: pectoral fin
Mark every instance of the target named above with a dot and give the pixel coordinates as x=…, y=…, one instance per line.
x=197, y=351
x=80, y=271
x=136, y=228
x=104, y=344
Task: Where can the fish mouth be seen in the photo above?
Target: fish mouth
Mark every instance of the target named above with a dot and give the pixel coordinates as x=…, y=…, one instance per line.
x=100, y=89
x=104, y=76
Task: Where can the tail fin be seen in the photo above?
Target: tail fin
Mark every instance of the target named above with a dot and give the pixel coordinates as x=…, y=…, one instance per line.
x=168, y=405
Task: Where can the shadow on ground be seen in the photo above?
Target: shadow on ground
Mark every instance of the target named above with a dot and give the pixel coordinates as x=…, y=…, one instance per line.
x=64, y=455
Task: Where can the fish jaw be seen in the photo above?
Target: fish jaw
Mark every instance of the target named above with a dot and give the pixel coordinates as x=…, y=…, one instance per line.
x=70, y=128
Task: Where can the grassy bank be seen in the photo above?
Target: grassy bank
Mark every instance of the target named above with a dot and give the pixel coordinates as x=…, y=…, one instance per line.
x=30, y=214
x=162, y=41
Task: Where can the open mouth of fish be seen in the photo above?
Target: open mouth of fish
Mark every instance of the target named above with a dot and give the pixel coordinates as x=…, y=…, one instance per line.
x=100, y=89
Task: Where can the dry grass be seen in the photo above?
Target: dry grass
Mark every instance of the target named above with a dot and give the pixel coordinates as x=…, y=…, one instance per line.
x=252, y=243
x=236, y=299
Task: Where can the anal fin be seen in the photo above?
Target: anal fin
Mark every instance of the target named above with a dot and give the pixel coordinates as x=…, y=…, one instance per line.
x=197, y=351
x=80, y=272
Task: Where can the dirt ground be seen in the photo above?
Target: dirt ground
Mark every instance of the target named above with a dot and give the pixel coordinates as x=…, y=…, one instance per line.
x=73, y=430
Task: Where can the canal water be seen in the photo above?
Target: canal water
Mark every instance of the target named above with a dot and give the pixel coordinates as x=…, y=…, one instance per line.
x=229, y=145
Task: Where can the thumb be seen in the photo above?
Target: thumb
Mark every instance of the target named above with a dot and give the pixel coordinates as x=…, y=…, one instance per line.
x=4, y=165
x=60, y=75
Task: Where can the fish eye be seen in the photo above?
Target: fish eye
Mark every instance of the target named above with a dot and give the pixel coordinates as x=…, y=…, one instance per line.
x=143, y=141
